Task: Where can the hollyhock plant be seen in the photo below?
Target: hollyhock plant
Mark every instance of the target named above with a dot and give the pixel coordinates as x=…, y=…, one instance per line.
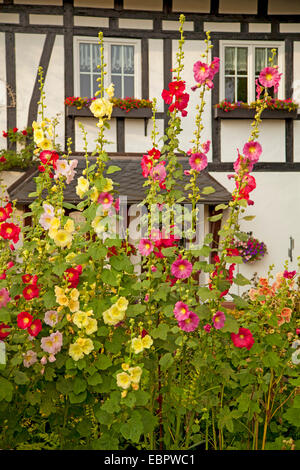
x=29, y=358
x=158, y=173
x=243, y=339
x=181, y=311
x=201, y=72
x=24, y=320
x=207, y=328
x=10, y=231
x=5, y=212
x=4, y=297
x=145, y=247
x=270, y=77
x=190, y=323
x=289, y=274
x=73, y=276
x=198, y=161
x=252, y=150
x=219, y=319
x=181, y=268
x=51, y=317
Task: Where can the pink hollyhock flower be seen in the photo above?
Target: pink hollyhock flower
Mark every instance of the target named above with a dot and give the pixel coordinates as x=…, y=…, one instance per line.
x=289, y=274
x=30, y=357
x=252, y=150
x=24, y=320
x=243, y=339
x=181, y=268
x=158, y=173
x=43, y=360
x=207, y=328
x=181, y=311
x=214, y=67
x=62, y=168
x=4, y=297
x=145, y=247
x=153, y=269
x=147, y=297
x=198, y=161
x=117, y=205
x=52, y=358
x=57, y=338
x=35, y=328
x=201, y=72
x=51, y=317
x=284, y=316
x=258, y=89
x=270, y=77
x=106, y=200
x=219, y=319
x=71, y=170
x=242, y=163
x=206, y=146
x=190, y=323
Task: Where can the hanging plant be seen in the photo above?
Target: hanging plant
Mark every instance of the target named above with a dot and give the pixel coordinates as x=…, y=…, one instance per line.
x=250, y=250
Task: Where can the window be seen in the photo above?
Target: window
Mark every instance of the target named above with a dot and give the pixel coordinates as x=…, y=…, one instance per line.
x=240, y=66
x=123, y=66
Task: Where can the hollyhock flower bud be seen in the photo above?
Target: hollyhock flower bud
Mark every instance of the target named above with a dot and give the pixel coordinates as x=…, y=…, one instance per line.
x=43, y=360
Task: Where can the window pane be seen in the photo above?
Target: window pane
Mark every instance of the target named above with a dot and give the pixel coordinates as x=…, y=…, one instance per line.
x=95, y=83
x=229, y=60
x=269, y=55
x=95, y=57
x=229, y=89
x=242, y=62
x=128, y=87
x=242, y=89
x=85, y=85
x=128, y=63
x=117, y=81
x=116, y=59
x=85, y=57
x=260, y=59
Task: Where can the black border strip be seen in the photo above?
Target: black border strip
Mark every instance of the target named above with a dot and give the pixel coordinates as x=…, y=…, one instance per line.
x=44, y=63
x=11, y=112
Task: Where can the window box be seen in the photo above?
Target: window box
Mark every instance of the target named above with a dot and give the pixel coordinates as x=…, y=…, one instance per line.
x=242, y=113
x=141, y=113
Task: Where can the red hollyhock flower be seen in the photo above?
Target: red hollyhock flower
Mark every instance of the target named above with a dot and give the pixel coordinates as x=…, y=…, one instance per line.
x=35, y=328
x=3, y=275
x=177, y=88
x=49, y=157
x=30, y=292
x=167, y=96
x=3, y=330
x=24, y=320
x=146, y=164
x=5, y=134
x=26, y=278
x=180, y=103
x=41, y=168
x=15, y=129
x=5, y=212
x=10, y=264
x=154, y=153
x=72, y=275
x=2, y=159
x=243, y=339
x=10, y=231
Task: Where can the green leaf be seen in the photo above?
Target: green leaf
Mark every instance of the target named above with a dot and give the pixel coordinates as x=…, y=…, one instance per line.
x=106, y=442
x=241, y=280
x=160, y=332
x=97, y=252
x=59, y=268
x=166, y=361
x=20, y=378
x=103, y=417
x=208, y=190
x=231, y=325
x=95, y=379
x=103, y=362
x=221, y=207
x=77, y=398
x=4, y=315
x=249, y=217
x=133, y=429
x=135, y=309
x=112, y=169
x=109, y=277
x=205, y=251
x=292, y=415
x=68, y=205
x=141, y=397
x=79, y=385
x=206, y=294
x=49, y=299
x=234, y=259
x=216, y=217
x=239, y=301
x=6, y=390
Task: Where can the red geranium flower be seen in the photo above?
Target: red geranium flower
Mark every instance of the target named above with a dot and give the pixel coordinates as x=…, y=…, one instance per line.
x=24, y=320
x=5, y=134
x=2, y=159
x=15, y=129
x=26, y=278
x=3, y=330
x=24, y=132
x=35, y=328
x=243, y=339
x=30, y=292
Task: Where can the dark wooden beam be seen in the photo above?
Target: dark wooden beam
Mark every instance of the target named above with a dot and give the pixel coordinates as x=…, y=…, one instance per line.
x=167, y=47
x=215, y=98
x=118, y=5
x=214, y=7
x=44, y=63
x=167, y=6
x=69, y=65
x=289, y=76
x=120, y=135
x=262, y=8
x=11, y=109
x=145, y=68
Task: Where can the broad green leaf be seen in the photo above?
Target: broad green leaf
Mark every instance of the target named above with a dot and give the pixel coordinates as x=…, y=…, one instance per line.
x=6, y=390
x=241, y=280
x=112, y=169
x=208, y=190
x=166, y=361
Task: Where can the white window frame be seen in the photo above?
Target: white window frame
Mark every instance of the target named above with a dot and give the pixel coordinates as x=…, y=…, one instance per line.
x=251, y=65
x=107, y=42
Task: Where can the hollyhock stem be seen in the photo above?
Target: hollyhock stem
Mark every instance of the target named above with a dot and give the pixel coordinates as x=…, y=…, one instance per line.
x=267, y=417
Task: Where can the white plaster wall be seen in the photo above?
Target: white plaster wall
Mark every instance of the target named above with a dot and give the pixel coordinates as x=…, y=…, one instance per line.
x=28, y=52
x=232, y=6
x=3, y=141
x=235, y=133
x=156, y=72
x=278, y=7
x=259, y=27
x=221, y=26
x=54, y=87
x=276, y=207
x=296, y=84
x=297, y=141
x=193, y=6
x=94, y=3
x=135, y=139
x=193, y=51
x=156, y=5
x=92, y=130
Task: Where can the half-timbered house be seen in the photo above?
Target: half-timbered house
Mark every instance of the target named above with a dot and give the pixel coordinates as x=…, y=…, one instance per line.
x=140, y=45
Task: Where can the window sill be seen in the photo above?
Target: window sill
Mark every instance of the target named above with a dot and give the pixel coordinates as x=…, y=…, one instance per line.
x=141, y=113
x=249, y=114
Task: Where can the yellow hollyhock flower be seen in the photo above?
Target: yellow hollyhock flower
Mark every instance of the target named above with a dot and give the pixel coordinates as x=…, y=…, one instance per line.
x=147, y=342
x=55, y=223
x=73, y=305
x=137, y=345
x=69, y=226
x=62, y=238
x=80, y=318
x=135, y=374
x=91, y=326
x=61, y=298
x=86, y=344
x=35, y=125
x=123, y=380
x=76, y=352
x=38, y=135
x=107, y=318
x=45, y=144
x=82, y=186
x=74, y=295
x=109, y=185
x=125, y=366
x=111, y=90
x=94, y=194
x=98, y=225
x=122, y=304
x=101, y=107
